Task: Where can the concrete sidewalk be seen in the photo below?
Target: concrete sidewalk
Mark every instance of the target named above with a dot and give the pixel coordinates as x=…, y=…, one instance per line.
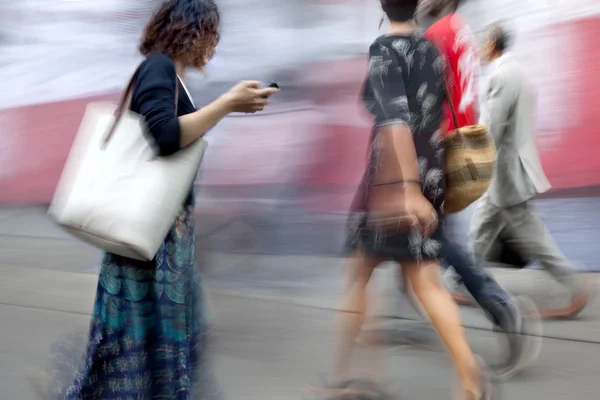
x=30, y=242
x=269, y=346
x=272, y=317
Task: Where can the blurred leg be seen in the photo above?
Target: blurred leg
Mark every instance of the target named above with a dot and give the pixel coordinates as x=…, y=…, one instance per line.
x=486, y=226
x=409, y=293
x=481, y=285
x=528, y=235
x=516, y=318
x=443, y=313
x=352, y=311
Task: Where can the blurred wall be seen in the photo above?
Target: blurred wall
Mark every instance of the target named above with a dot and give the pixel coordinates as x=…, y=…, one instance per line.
x=56, y=56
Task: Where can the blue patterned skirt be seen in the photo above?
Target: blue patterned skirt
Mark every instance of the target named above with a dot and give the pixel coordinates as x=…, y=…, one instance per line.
x=148, y=334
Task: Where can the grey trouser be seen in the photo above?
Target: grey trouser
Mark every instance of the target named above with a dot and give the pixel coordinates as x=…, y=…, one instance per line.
x=522, y=228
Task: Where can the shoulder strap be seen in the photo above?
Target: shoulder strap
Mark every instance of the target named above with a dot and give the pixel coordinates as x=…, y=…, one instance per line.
x=125, y=104
x=449, y=97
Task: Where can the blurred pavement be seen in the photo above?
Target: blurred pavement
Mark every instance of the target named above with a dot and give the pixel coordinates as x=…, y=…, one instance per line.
x=272, y=318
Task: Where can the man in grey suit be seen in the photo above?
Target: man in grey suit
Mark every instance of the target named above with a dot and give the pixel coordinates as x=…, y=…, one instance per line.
x=506, y=209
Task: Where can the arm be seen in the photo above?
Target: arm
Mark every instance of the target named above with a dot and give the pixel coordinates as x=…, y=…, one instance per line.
x=397, y=154
x=193, y=126
x=398, y=157
x=154, y=94
x=499, y=105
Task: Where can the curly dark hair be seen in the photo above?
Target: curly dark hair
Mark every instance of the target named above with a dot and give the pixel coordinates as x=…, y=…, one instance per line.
x=186, y=30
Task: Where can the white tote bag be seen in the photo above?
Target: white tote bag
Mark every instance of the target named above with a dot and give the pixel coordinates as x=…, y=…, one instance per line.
x=114, y=192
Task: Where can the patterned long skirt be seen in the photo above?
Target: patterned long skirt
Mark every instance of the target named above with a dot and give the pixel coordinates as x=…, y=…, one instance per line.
x=148, y=334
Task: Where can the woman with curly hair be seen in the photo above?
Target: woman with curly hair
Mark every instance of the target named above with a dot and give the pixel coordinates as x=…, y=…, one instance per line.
x=148, y=330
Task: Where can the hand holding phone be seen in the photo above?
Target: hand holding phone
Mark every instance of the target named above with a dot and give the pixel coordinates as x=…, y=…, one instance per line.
x=248, y=96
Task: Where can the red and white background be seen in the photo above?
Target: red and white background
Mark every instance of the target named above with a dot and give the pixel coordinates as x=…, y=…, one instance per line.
x=56, y=56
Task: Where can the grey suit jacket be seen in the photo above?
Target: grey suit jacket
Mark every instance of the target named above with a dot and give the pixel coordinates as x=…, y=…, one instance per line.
x=510, y=112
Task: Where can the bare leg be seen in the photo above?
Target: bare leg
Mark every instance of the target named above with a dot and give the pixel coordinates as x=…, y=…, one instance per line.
x=352, y=312
x=409, y=293
x=443, y=313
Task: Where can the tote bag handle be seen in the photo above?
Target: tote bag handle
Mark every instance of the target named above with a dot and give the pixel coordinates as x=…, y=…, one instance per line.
x=125, y=104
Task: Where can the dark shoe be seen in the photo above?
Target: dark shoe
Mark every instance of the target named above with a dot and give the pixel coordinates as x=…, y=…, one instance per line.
x=522, y=328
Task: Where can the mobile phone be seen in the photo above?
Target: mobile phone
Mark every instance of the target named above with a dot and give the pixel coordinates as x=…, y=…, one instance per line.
x=273, y=85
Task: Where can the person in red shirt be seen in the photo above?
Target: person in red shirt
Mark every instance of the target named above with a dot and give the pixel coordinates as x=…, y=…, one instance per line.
x=451, y=34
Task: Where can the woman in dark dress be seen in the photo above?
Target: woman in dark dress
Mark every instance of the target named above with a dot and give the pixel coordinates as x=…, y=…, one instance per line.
x=148, y=332
x=398, y=211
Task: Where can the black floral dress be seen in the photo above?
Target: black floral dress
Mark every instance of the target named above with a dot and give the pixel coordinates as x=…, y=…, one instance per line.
x=404, y=86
